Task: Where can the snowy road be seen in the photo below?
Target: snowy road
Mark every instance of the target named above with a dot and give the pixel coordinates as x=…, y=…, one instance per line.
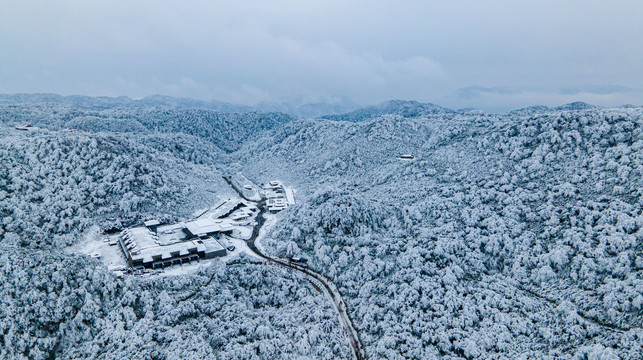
x=315, y=278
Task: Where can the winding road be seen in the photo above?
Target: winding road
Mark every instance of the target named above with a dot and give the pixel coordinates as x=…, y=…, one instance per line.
x=317, y=280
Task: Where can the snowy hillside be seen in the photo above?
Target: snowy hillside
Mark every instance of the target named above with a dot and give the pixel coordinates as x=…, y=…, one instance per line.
x=506, y=235
x=54, y=184
x=397, y=107
x=224, y=129
x=59, y=306
x=104, y=102
x=517, y=235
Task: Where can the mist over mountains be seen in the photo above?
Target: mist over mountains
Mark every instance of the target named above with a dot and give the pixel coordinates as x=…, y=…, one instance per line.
x=514, y=235
x=104, y=102
x=337, y=110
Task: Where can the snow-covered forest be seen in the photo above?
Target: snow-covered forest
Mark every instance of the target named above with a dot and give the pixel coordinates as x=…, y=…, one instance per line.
x=61, y=306
x=54, y=184
x=506, y=236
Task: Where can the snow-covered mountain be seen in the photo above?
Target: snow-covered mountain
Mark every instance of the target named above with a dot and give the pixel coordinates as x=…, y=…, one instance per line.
x=106, y=102
x=516, y=235
x=295, y=108
x=393, y=107
x=227, y=130
x=506, y=235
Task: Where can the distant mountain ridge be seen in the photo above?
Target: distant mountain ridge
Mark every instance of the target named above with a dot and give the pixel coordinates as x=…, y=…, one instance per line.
x=574, y=106
x=106, y=102
x=341, y=110
x=405, y=108
x=310, y=109
x=227, y=130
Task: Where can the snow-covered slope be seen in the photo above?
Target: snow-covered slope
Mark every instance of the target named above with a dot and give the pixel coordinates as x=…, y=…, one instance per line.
x=506, y=236
x=56, y=183
x=393, y=107
x=509, y=235
x=105, y=102
x=61, y=306
x=224, y=129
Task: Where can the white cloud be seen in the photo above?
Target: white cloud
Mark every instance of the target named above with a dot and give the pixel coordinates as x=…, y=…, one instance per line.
x=501, y=99
x=368, y=51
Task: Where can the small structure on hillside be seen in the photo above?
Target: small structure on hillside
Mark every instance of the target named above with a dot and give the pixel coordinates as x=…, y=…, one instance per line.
x=25, y=127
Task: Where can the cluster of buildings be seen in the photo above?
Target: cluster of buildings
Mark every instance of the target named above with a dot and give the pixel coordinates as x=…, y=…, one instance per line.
x=277, y=196
x=144, y=248
x=155, y=245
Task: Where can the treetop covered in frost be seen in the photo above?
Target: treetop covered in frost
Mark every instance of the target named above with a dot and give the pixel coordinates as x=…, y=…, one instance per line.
x=506, y=236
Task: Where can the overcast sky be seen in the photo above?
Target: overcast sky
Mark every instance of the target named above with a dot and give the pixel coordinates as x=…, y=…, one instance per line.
x=493, y=55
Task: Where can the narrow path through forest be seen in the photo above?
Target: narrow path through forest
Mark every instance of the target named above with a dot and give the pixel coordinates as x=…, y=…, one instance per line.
x=315, y=278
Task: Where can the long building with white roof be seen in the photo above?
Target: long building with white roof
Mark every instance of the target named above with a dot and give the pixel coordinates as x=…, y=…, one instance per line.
x=172, y=244
x=154, y=245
